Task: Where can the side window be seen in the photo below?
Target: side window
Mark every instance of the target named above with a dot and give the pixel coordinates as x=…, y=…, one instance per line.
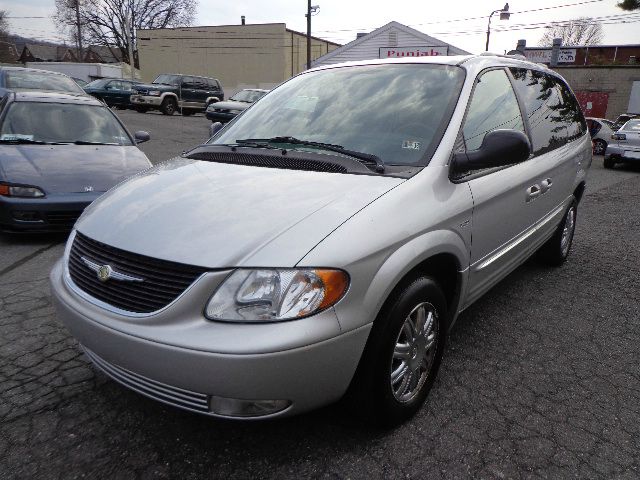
x=115, y=85
x=201, y=83
x=553, y=112
x=188, y=82
x=126, y=86
x=493, y=106
x=571, y=112
x=214, y=84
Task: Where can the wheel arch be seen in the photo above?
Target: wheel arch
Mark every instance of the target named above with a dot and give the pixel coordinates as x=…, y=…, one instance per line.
x=441, y=255
x=166, y=95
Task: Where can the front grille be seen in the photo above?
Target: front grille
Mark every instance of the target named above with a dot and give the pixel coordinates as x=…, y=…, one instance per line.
x=163, y=281
x=62, y=219
x=267, y=161
x=178, y=397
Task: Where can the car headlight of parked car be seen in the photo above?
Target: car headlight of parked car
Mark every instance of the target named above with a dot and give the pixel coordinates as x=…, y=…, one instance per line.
x=269, y=295
x=154, y=93
x=20, y=191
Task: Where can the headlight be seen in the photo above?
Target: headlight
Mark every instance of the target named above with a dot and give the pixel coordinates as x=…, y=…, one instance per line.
x=20, y=191
x=154, y=93
x=276, y=294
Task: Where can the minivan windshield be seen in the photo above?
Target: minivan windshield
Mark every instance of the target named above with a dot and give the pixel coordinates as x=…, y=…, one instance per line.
x=397, y=112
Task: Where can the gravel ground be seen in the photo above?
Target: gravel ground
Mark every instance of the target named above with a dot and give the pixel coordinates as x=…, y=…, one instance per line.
x=540, y=377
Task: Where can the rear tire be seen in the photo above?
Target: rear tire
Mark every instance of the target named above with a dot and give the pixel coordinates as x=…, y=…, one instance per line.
x=402, y=355
x=556, y=250
x=141, y=109
x=599, y=147
x=609, y=163
x=186, y=113
x=169, y=106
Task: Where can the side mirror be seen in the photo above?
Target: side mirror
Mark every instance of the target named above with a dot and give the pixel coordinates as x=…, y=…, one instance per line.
x=215, y=128
x=499, y=148
x=141, y=137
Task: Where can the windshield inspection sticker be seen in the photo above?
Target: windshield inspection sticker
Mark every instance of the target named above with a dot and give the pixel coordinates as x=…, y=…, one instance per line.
x=411, y=145
x=15, y=136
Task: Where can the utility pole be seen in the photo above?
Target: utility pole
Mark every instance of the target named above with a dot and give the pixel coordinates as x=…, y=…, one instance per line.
x=309, y=34
x=77, y=2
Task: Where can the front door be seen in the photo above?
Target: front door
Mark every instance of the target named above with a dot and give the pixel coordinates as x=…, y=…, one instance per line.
x=504, y=207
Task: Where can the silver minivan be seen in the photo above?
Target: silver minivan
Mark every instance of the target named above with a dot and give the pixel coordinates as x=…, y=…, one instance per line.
x=322, y=244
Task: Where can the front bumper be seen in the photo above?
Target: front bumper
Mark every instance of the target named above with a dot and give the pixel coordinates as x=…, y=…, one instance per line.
x=53, y=213
x=626, y=153
x=308, y=362
x=146, y=100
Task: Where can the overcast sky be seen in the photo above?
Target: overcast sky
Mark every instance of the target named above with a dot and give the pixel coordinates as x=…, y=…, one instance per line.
x=340, y=20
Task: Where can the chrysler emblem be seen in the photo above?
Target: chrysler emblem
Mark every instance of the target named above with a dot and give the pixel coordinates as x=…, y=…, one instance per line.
x=106, y=272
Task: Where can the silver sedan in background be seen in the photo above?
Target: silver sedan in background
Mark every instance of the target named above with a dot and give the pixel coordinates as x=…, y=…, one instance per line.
x=625, y=145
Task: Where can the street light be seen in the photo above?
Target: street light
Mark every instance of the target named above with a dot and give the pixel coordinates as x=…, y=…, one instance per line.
x=504, y=15
x=310, y=10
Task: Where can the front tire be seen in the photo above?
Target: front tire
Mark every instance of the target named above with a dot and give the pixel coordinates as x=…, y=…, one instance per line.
x=141, y=109
x=169, y=106
x=609, y=163
x=556, y=250
x=403, y=353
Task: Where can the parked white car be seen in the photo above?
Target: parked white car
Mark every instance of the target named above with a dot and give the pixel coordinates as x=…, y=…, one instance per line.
x=600, y=130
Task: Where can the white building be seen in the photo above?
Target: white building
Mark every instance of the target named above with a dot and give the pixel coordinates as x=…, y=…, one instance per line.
x=392, y=40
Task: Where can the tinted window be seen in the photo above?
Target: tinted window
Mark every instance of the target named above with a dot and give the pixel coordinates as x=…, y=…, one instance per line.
x=397, y=112
x=188, y=82
x=493, y=106
x=62, y=123
x=248, y=96
x=213, y=84
x=168, y=79
x=553, y=112
x=100, y=83
x=201, y=83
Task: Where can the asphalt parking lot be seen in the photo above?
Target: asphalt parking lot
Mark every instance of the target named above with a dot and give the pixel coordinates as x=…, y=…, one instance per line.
x=541, y=377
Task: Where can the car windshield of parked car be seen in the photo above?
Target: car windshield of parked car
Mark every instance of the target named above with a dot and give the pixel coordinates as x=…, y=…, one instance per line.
x=30, y=80
x=248, y=96
x=39, y=122
x=397, y=112
x=632, y=125
x=100, y=83
x=168, y=79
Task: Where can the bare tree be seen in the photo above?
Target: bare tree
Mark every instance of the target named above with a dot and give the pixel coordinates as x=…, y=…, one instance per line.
x=4, y=24
x=580, y=31
x=110, y=23
x=629, y=5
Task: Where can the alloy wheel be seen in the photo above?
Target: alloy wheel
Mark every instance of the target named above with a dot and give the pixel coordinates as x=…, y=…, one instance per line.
x=567, y=231
x=414, y=352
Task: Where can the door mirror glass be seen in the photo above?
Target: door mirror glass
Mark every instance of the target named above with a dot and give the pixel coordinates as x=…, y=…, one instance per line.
x=499, y=148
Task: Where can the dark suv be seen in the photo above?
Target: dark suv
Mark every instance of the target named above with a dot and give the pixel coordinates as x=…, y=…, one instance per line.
x=169, y=92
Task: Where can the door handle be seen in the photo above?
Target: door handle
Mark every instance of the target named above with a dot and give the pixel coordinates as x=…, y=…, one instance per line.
x=545, y=185
x=533, y=192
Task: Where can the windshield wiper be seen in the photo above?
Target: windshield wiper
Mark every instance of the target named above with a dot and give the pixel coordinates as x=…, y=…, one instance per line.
x=366, y=158
x=23, y=141
x=84, y=142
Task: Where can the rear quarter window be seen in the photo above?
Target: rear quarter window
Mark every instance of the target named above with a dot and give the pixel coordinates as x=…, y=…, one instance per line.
x=552, y=111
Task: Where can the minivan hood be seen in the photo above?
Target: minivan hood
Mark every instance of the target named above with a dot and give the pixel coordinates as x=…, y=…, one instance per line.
x=225, y=215
x=70, y=168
